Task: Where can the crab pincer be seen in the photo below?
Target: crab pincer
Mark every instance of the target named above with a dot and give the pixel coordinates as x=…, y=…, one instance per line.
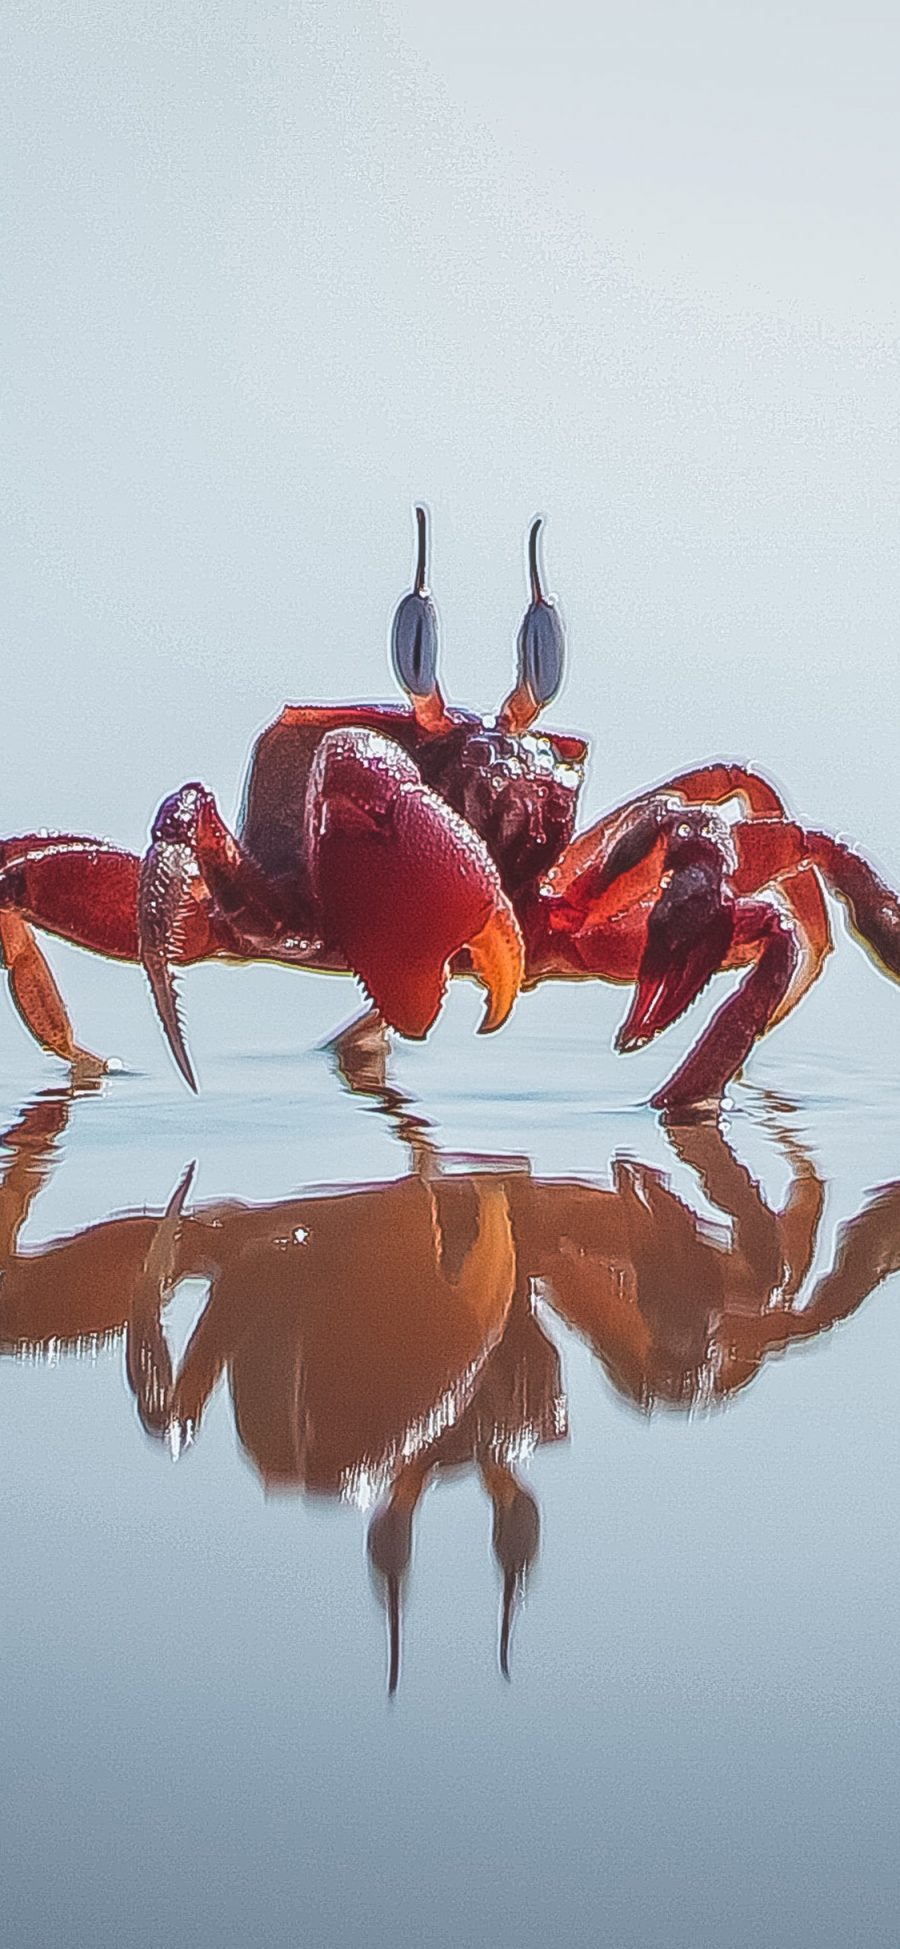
x=404, y=885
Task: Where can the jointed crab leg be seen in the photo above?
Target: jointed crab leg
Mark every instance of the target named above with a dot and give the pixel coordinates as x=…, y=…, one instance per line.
x=873, y=909
x=37, y=997
x=193, y=863
x=703, y=785
x=75, y=887
x=87, y=893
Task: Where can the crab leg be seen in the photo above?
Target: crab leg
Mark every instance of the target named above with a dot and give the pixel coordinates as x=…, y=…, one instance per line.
x=192, y=862
x=779, y=850
x=872, y=907
x=37, y=998
x=87, y=893
x=715, y=784
x=79, y=889
x=403, y=885
x=703, y=785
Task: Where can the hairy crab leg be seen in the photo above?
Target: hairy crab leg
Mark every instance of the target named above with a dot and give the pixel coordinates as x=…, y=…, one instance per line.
x=193, y=861
x=403, y=886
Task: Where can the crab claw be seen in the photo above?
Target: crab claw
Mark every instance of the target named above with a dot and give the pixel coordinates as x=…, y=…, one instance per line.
x=404, y=884
x=689, y=933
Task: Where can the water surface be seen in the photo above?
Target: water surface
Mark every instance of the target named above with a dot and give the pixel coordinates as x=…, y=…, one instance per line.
x=494, y=1334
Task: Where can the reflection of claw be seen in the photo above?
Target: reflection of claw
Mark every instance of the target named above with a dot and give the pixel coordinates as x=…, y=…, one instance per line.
x=170, y=1223
x=159, y=1263
x=147, y=1355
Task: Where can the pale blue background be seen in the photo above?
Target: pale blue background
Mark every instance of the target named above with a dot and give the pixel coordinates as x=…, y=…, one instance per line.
x=270, y=273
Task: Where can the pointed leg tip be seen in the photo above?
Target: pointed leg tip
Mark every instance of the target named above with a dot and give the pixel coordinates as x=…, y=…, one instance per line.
x=88, y=1068
x=176, y=1203
x=182, y=1060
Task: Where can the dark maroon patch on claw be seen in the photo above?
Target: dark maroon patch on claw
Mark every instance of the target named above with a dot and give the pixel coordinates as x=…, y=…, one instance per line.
x=689, y=935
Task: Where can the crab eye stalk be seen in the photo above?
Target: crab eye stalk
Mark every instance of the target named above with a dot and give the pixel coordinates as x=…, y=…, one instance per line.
x=541, y=649
x=414, y=640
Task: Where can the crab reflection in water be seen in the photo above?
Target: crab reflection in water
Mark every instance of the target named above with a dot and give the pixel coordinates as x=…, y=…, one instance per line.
x=378, y=1336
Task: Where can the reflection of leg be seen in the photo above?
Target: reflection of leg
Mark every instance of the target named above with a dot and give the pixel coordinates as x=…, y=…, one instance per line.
x=516, y=1539
x=868, y=1251
x=801, y=1216
x=390, y=1552
x=730, y=1187
x=30, y=1143
x=359, y=1052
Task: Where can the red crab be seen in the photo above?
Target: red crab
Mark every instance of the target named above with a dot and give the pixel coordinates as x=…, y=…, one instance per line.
x=404, y=845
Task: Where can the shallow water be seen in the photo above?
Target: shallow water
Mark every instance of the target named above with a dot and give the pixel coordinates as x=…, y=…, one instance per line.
x=647, y=1377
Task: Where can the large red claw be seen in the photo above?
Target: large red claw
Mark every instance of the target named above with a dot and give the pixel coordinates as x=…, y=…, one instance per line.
x=404, y=884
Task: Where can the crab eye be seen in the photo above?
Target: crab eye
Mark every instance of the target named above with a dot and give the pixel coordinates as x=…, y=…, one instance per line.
x=414, y=633
x=542, y=643
x=414, y=644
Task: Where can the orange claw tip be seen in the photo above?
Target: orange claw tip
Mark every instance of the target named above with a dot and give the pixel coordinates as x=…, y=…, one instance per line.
x=498, y=959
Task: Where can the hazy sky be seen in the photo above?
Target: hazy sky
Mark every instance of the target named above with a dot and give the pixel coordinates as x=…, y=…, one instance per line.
x=274, y=270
